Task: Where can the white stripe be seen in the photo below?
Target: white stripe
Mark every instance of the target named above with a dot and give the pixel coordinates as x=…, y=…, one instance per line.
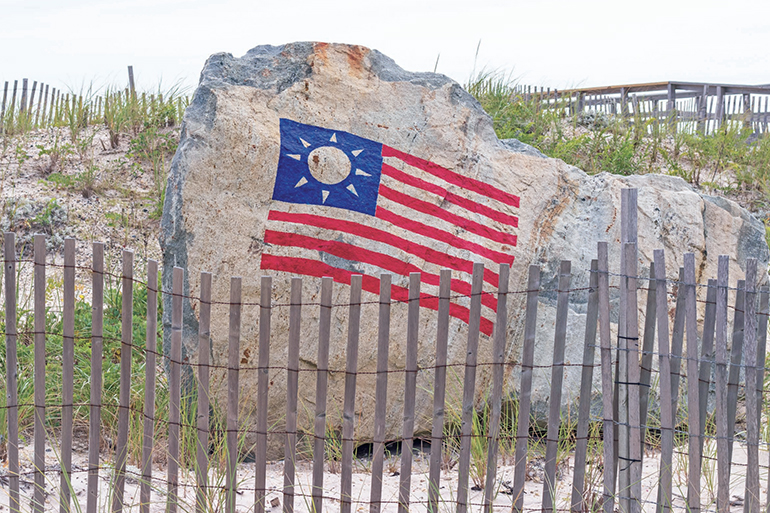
x=440, y=202
x=387, y=227
x=471, y=195
x=375, y=271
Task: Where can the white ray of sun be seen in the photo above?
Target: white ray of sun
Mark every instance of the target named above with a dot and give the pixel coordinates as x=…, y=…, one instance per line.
x=325, y=194
x=295, y=157
x=304, y=142
x=334, y=138
x=352, y=189
x=362, y=173
x=302, y=181
x=356, y=153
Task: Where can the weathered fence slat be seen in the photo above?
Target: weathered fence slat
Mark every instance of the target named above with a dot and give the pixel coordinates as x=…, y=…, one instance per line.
x=175, y=388
x=233, y=370
x=322, y=381
x=707, y=356
x=751, y=497
x=764, y=311
x=608, y=409
x=263, y=382
x=410, y=391
x=628, y=234
x=693, y=408
x=586, y=385
x=675, y=367
x=11, y=362
x=496, y=397
x=469, y=389
x=38, y=501
x=151, y=345
x=635, y=430
x=666, y=401
x=557, y=378
x=648, y=348
x=439, y=388
x=97, y=347
x=736, y=353
x=380, y=394
x=292, y=389
x=68, y=374
x=723, y=445
x=349, y=406
x=677, y=341
x=124, y=400
x=525, y=396
x=204, y=376
x=24, y=85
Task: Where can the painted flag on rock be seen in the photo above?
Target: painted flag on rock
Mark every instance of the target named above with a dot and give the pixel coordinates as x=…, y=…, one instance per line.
x=345, y=205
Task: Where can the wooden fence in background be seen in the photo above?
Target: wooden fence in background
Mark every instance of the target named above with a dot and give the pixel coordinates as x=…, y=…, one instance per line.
x=630, y=385
x=685, y=106
x=28, y=105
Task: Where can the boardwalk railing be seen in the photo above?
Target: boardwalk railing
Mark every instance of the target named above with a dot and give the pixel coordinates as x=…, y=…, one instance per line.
x=684, y=106
x=655, y=398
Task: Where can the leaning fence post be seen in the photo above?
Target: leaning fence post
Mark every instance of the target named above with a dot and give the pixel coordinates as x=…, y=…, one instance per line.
x=525, y=396
x=752, y=432
x=557, y=378
x=693, y=409
x=349, y=408
x=292, y=390
x=707, y=356
x=322, y=381
x=410, y=390
x=380, y=393
x=498, y=355
x=723, y=444
x=736, y=354
x=608, y=409
x=666, y=402
x=586, y=384
x=439, y=389
x=469, y=388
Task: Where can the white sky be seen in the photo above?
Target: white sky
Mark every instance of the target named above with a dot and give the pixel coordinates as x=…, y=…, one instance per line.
x=553, y=43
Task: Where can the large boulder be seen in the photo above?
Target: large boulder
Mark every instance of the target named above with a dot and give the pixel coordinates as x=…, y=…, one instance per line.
x=275, y=133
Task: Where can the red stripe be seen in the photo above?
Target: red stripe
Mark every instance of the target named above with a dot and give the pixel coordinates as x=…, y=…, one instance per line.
x=441, y=235
x=357, y=254
x=436, y=211
x=368, y=232
x=308, y=267
x=465, y=203
x=452, y=177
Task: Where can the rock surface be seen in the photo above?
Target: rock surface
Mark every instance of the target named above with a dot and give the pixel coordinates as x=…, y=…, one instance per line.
x=221, y=188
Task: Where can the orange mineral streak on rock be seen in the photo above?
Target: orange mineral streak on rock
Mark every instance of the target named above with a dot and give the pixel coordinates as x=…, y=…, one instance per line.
x=320, y=52
x=356, y=55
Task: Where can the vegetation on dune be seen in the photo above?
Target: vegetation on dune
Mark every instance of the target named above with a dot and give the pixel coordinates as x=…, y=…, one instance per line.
x=731, y=160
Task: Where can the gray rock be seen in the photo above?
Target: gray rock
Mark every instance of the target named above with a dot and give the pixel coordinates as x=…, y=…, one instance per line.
x=220, y=192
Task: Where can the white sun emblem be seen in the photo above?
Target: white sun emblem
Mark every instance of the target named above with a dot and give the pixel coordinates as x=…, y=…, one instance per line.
x=329, y=165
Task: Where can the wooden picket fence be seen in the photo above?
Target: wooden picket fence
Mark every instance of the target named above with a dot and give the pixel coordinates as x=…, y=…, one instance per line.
x=684, y=106
x=628, y=364
x=28, y=105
